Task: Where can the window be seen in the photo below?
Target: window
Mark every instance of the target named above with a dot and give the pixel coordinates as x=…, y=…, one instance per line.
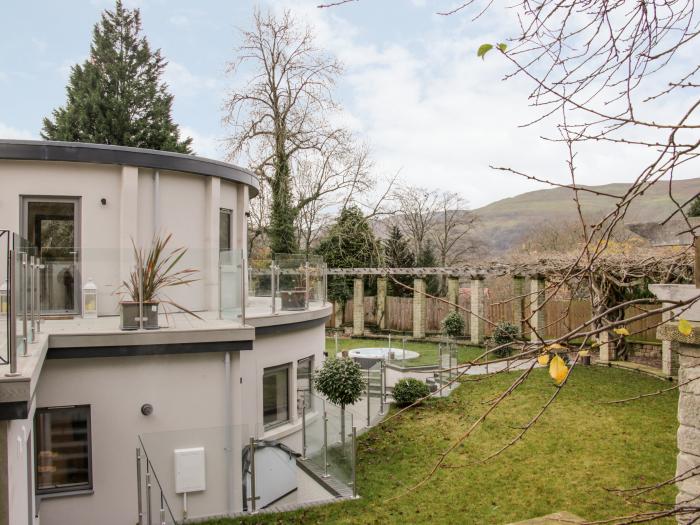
x=276, y=396
x=305, y=368
x=63, y=462
x=225, y=229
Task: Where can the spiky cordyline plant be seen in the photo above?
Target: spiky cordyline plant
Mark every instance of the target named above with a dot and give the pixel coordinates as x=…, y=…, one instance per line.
x=156, y=269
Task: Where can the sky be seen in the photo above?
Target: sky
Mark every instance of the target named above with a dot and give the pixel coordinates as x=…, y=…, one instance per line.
x=412, y=88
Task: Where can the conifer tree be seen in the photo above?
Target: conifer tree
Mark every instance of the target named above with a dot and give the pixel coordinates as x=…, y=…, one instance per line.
x=117, y=95
x=427, y=259
x=397, y=254
x=694, y=208
x=350, y=243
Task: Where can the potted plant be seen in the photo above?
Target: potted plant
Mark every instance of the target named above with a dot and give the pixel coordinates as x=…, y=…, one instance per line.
x=341, y=381
x=153, y=272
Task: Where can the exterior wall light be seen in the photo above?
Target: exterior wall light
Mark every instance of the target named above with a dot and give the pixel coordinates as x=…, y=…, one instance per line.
x=147, y=409
x=3, y=298
x=89, y=300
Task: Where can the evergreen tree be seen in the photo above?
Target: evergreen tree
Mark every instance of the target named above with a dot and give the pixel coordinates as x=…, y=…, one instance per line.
x=694, y=209
x=397, y=254
x=427, y=259
x=117, y=96
x=350, y=243
x=281, y=232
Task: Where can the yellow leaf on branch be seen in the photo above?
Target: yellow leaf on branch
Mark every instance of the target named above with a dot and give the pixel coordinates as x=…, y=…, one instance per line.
x=543, y=359
x=555, y=346
x=621, y=331
x=685, y=328
x=558, y=369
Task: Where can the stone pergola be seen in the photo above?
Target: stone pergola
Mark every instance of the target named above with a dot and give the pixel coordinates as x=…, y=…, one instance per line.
x=534, y=297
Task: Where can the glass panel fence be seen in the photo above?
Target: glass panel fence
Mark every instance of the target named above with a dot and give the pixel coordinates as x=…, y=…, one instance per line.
x=196, y=470
x=301, y=281
x=231, y=285
x=328, y=440
x=261, y=287
x=5, y=247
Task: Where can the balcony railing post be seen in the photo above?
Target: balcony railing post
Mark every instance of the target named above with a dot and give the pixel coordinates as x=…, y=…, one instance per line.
x=381, y=387
x=440, y=366
x=252, y=476
x=243, y=279
x=325, y=283
x=140, y=296
x=149, y=517
x=354, y=462
x=25, y=313
x=12, y=314
x=273, y=286
x=384, y=384
x=306, y=287
x=37, y=281
x=369, y=417
x=303, y=427
x=162, y=509
x=139, y=496
x=325, y=444
x=32, y=297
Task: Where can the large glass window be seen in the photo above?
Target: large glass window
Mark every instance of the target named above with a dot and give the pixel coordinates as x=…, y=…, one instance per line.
x=276, y=396
x=305, y=369
x=225, y=229
x=63, y=462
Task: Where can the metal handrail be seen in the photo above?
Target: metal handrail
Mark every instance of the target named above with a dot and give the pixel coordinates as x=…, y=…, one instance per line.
x=150, y=471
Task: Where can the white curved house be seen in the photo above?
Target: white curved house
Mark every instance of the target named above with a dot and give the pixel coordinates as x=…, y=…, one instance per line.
x=189, y=395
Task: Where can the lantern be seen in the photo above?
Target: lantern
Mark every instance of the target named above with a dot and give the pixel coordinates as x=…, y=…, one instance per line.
x=3, y=298
x=89, y=300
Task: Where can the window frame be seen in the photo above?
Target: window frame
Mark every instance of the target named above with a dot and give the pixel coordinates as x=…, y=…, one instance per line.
x=229, y=215
x=310, y=404
x=287, y=367
x=87, y=487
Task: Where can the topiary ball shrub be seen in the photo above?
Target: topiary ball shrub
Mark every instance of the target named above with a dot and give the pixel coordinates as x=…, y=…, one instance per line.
x=453, y=325
x=340, y=379
x=504, y=334
x=409, y=390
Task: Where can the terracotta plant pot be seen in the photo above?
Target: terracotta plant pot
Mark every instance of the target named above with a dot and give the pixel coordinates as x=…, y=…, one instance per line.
x=130, y=315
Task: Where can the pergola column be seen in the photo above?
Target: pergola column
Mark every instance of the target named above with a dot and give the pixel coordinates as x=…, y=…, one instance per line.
x=453, y=292
x=420, y=308
x=358, y=307
x=382, y=284
x=476, y=319
x=339, y=307
x=669, y=349
x=519, y=302
x=605, y=350
x=537, y=285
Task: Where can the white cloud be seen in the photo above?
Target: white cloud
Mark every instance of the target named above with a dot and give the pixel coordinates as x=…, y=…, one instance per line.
x=433, y=110
x=205, y=145
x=184, y=83
x=9, y=132
x=180, y=20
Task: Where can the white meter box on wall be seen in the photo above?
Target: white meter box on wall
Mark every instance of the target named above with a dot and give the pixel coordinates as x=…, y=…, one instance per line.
x=190, y=474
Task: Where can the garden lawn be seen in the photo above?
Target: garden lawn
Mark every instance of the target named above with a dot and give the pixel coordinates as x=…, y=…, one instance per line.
x=579, y=448
x=428, y=351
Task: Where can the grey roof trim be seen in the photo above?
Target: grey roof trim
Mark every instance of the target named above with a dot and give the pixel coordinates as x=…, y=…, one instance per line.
x=121, y=155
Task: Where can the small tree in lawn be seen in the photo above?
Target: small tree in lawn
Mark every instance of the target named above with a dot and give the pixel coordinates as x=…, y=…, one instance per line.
x=340, y=381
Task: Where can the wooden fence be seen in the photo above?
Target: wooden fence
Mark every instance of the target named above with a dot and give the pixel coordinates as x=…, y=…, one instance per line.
x=561, y=316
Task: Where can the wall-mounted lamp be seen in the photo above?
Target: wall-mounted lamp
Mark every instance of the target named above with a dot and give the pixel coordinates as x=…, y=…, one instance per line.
x=147, y=409
x=103, y=201
x=247, y=214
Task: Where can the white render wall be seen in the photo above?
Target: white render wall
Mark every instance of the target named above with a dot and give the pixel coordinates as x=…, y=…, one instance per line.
x=186, y=208
x=188, y=396
x=17, y=431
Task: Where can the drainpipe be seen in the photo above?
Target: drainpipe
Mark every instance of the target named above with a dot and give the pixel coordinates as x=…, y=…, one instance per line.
x=156, y=202
x=228, y=434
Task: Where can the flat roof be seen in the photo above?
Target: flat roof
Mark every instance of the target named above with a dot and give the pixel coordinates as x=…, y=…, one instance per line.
x=48, y=150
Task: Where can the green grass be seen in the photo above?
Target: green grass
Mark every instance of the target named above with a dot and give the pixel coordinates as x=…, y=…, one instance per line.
x=428, y=351
x=578, y=449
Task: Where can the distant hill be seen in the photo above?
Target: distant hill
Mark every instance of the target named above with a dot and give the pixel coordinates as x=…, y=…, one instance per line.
x=505, y=223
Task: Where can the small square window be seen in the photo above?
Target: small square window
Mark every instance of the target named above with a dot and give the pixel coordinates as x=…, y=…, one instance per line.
x=305, y=369
x=276, y=396
x=63, y=449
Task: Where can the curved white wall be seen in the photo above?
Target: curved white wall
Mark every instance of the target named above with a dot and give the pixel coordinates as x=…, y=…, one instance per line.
x=188, y=207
